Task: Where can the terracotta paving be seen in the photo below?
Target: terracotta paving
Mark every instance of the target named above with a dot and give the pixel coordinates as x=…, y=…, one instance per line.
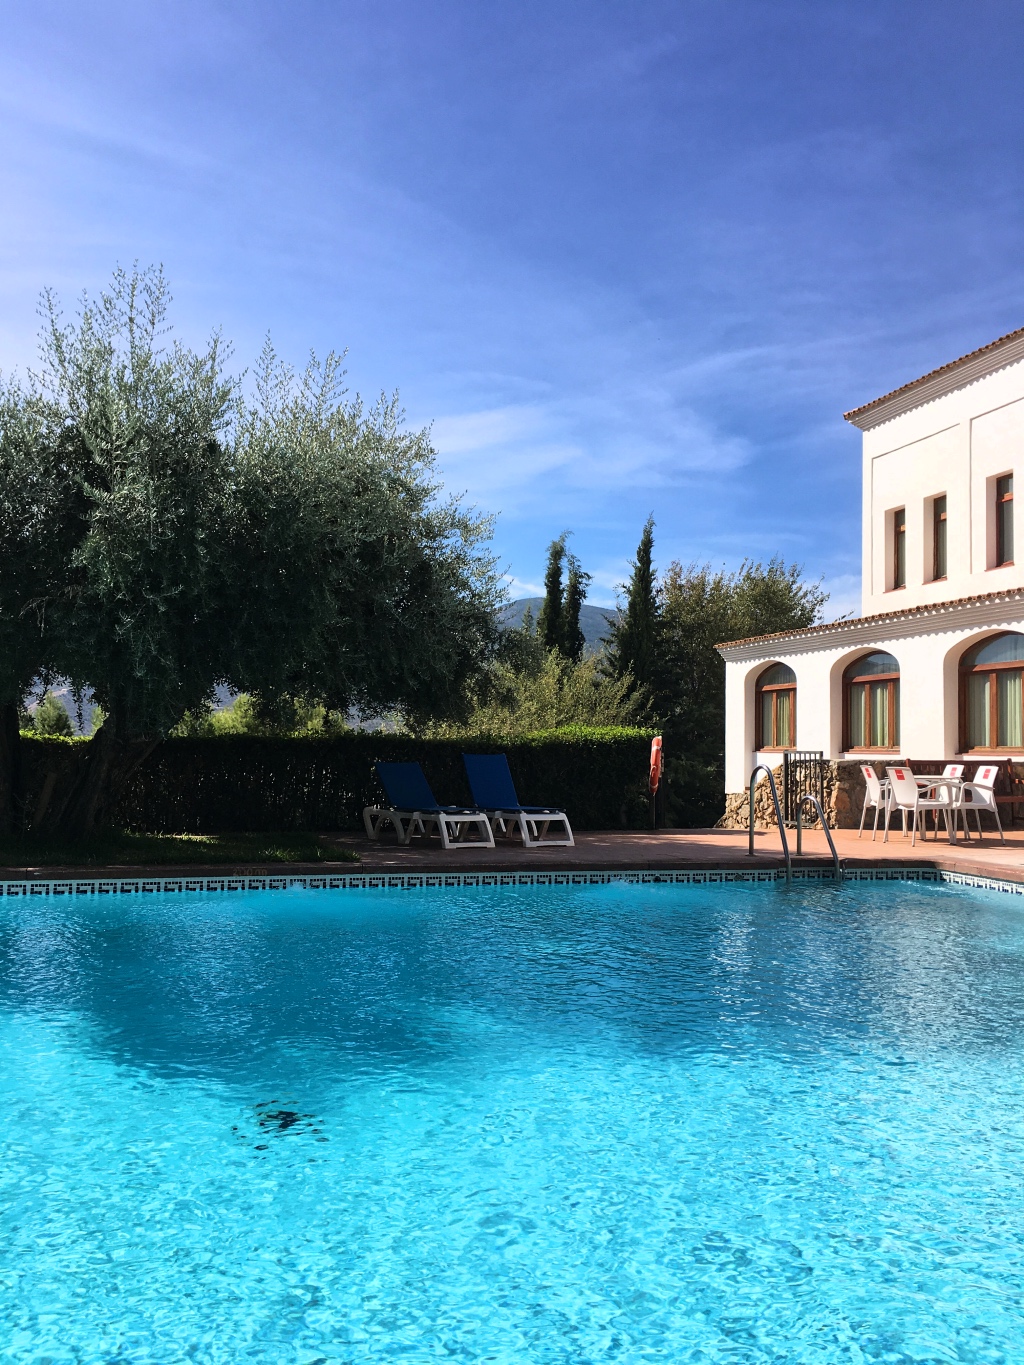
x=619, y=851
x=694, y=848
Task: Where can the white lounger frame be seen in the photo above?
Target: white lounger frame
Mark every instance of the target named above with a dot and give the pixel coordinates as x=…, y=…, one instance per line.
x=534, y=826
x=450, y=825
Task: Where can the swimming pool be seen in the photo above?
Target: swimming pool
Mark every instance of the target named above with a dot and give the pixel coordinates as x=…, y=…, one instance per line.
x=729, y=1123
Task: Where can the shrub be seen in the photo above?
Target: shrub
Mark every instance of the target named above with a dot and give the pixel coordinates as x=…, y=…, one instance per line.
x=230, y=783
x=547, y=693
x=50, y=717
x=288, y=716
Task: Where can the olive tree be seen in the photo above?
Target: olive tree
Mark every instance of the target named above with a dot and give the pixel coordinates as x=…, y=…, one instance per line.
x=290, y=545
x=40, y=521
x=137, y=621
x=364, y=588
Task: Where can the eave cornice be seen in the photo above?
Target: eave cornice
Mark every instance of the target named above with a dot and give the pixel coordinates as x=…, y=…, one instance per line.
x=964, y=613
x=1006, y=350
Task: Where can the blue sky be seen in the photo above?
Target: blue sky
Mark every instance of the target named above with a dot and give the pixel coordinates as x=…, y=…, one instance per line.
x=626, y=257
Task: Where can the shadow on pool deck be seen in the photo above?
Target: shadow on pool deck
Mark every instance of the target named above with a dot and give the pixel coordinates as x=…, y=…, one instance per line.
x=616, y=850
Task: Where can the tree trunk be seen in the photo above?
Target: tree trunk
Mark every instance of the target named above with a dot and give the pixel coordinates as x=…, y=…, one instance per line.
x=10, y=767
x=109, y=762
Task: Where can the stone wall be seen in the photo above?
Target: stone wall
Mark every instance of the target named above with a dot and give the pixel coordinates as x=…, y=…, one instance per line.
x=844, y=795
x=844, y=798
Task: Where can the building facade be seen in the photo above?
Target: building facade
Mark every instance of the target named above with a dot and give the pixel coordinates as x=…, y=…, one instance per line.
x=934, y=668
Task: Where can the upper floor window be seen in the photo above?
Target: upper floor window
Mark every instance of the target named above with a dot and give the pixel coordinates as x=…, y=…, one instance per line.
x=1004, y=520
x=939, y=537
x=776, y=708
x=992, y=694
x=899, y=548
x=871, y=687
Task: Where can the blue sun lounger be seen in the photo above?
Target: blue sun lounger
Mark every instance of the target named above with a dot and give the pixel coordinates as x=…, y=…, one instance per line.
x=493, y=790
x=413, y=809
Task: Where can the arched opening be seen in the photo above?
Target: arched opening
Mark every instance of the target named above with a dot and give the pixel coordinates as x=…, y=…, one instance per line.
x=992, y=694
x=871, y=703
x=775, y=700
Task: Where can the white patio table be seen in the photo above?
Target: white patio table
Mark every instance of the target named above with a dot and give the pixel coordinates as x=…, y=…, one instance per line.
x=953, y=785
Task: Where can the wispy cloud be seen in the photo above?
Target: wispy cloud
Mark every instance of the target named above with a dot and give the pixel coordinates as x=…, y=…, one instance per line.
x=475, y=432
x=532, y=455
x=844, y=596
x=518, y=588
x=629, y=260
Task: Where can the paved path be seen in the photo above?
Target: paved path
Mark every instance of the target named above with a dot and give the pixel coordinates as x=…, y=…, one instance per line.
x=620, y=851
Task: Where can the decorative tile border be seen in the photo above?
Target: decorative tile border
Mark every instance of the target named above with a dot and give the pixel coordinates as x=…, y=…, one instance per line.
x=982, y=883
x=409, y=881
x=887, y=874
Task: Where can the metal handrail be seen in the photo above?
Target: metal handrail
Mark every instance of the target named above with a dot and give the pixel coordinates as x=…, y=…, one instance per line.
x=809, y=796
x=763, y=768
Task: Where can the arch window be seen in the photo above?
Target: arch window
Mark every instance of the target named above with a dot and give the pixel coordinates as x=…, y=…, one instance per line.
x=871, y=689
x=776, y=708
x=992, y=694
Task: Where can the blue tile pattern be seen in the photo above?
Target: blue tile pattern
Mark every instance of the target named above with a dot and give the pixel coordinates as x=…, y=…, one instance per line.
x=403, y=881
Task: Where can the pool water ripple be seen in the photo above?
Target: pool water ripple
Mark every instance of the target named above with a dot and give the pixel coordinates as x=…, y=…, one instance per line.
x=614, y=1123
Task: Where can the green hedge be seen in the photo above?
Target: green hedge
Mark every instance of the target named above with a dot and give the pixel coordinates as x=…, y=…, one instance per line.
x=230, y=783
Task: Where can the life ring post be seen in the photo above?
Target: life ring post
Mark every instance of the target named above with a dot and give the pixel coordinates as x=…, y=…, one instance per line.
x=654, y=780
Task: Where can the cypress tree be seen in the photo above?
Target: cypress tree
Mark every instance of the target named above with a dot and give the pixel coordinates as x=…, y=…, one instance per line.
x=573, y=642
x=634, y=636
x=549, y=622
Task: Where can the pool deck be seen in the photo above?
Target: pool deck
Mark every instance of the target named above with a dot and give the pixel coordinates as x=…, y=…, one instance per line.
x=704, y=848
x=632, y=851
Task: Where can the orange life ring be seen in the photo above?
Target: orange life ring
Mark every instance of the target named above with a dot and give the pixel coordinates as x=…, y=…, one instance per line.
x=656, y=764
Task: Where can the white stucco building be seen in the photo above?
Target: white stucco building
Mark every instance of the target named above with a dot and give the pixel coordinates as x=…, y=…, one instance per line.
x=933, y=668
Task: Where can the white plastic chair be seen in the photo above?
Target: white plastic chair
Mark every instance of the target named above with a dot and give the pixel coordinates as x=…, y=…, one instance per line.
x=905, y=796
x=982, y=797
x=929, y=786
x=874, y=795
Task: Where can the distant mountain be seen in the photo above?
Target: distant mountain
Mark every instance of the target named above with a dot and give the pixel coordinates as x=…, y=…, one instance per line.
x=594, y=621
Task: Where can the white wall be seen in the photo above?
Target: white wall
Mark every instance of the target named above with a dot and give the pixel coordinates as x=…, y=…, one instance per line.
x=950, y=434
x=929, y=682
x=956, y=445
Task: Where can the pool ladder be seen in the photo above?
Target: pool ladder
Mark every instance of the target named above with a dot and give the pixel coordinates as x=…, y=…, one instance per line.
x=807, y=796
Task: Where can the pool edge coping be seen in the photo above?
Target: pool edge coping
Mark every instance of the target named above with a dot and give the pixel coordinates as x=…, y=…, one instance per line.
x=408, y=881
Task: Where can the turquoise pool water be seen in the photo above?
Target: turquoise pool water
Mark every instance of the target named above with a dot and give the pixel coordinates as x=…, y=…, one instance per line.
x=610, y=1123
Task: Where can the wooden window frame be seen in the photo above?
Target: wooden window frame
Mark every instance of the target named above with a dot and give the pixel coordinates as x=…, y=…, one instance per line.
x=773, y=689
x=851, y=681
x=940, y=523
x=993, y=706
x=1002, y=498
x=899, y=540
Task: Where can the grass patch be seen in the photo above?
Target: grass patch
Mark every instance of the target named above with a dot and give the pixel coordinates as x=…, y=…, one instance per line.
x=119, y=848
